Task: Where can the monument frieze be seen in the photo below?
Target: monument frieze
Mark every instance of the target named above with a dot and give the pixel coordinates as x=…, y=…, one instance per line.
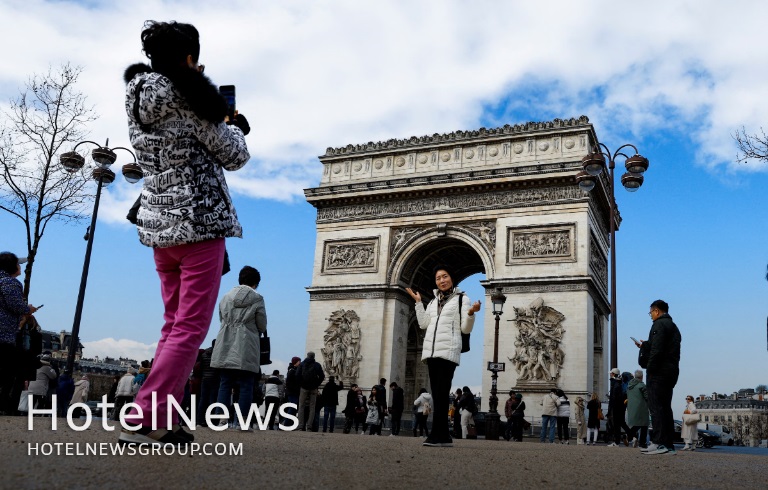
x=350, y=256
x=541, y=244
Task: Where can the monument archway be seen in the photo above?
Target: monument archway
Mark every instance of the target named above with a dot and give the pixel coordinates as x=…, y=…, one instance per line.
x=503, y=202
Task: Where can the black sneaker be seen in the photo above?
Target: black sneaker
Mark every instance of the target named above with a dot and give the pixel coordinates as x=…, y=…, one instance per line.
x=180, y=432
x=429, y=442
x=147, y=436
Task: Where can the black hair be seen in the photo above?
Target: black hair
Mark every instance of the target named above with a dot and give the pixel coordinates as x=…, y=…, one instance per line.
x=382, y=381
x=512, y=393
x=249, y=277
x=9, y=262
x=167, y=44
x=443, y=267
x=661, y=305
x=423, y=390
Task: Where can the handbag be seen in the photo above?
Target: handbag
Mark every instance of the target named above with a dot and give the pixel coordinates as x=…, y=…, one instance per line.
x=600, y=415
x=471, y=432
x=265, y=349
x=526, y=424
x=24, y=401
x=691, y=418
x=464, y=336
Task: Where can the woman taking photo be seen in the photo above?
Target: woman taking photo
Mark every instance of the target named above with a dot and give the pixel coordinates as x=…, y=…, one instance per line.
x=177, y=125
x=444, y=322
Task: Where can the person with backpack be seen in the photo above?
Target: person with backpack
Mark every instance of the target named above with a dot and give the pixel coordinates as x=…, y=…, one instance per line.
x=423, y=407
x=310, y=375
x=449, y=315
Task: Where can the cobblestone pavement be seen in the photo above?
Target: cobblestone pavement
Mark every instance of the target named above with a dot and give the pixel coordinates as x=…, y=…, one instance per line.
x=276, y=459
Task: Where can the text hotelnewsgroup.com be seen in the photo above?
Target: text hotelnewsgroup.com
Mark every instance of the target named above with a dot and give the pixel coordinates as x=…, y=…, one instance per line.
x=115, y=449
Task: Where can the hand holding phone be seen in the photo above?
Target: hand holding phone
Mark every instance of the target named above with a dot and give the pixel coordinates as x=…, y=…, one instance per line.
x=637, y=342
x=228, y=92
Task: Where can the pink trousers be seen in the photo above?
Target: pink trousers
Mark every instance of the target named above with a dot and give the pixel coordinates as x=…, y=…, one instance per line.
x=189, y=281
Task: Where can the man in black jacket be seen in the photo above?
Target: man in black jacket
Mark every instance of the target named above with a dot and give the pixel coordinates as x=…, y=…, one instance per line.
x=310, y=375
x=349, y=409
x=331, y=401
x=397, y=407
x=662, y=351
x=292, y=387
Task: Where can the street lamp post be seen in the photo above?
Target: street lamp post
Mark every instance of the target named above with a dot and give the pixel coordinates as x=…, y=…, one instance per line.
x=72, y=161
x=593, y=165
x=492, y=418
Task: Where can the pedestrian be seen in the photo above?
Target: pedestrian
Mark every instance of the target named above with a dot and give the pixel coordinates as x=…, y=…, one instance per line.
x=660, y=356
x=457, y=414
x=361, y=410
x=237, y=352
x=183, y=141
x=593, y=419
x=124, y=392
x=272, y=398
x=581, y=424
x=64, y=392
x=310, y=375
x=509, y=408
x=375, y=414
x=113, y=389
x=637, y=410
x=331, y=401
x=13, y=306
x=423, y=407
x=29, y=345
x=468, y=408
x=445, y=318
x=518, y=418
x=549, y=404
x=690, y=431
x=396, y=407
x=563, y=418
x=349, y=408
x=209, y=384
x=39, y=387
x=80, y=395
x=292, y=387
x=617, y=408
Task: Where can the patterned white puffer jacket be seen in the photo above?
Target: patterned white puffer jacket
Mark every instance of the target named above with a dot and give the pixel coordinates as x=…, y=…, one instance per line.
x=443, y=336
x=185, y=198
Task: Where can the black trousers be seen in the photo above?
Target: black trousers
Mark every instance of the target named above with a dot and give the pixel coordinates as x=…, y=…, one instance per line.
x=660, y=390
x=643, y=439
x=563, y=431
x=420, y=426
x=440, y=377
x=9, y=371
x=397, y=416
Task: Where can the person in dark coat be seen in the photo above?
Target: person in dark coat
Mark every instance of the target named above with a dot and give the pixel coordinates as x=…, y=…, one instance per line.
x=593, y=419
x=292, y=387
x=349, y=408
x=518, y=416
x=310, y=375
x=660, y=355
x=331, y=401
x=397, y=407
x=617, y=408
x=457, y=414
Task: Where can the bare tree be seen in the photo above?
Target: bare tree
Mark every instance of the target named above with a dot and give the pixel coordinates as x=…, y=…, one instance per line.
x=48, y=114
x=751, y=146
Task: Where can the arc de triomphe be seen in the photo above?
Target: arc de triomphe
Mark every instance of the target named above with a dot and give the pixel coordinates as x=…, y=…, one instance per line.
x=502, y=202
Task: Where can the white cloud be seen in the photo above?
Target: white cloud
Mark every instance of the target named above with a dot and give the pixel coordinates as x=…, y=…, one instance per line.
x=319, y=74
x=111, y=347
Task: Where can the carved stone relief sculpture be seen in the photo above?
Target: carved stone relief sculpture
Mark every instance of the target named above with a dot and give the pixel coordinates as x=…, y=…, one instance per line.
x=341, y=346
x=538, y=355
x=598, y=264
x=541, y=244
x=351, y=256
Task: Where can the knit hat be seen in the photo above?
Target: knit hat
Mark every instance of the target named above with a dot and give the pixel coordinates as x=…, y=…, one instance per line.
x=519, y=396
x=295, y=359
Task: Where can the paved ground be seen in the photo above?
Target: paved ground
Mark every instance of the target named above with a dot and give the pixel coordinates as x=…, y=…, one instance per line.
x=273, y=459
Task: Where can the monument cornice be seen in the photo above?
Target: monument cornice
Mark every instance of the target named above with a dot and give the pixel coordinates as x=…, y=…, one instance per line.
x=550, y=284
x=554, y=126
x=355, y=291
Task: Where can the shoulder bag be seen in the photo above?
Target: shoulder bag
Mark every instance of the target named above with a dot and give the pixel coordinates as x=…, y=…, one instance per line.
x=265, y=349
x=464, y=336
x=691, y=418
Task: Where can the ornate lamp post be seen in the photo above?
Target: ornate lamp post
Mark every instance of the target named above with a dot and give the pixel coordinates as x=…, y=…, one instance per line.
x=492, y=417
x=594, y=164
x=72, y=161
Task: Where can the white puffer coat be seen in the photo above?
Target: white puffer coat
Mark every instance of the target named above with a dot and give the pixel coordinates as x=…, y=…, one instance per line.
x=443, y=337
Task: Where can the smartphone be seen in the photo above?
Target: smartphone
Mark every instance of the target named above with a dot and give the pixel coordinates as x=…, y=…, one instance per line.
x=40, y=306
x=634, y=340
x=228, y=91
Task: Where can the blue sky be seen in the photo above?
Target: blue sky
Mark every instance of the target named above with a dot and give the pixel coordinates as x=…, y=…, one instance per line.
x=331, y=73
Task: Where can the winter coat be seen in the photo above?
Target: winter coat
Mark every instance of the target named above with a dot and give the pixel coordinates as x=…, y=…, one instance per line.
x=564, y=407
x=593, y=407
x=444, y=328
x=45, y=374
x=374, y=415
x=398, y=400
x=331, y=394
x=467, y=403
x=422, y=401
x=182, y=148
x=510, y=406
x=549, y=404
x=292, y=382
x=519, y=410
x=81, y=392
x=664, y=349
x=690, y=431
x=578, y=410
x=616, y=396
x=349, y=408
x=310, y=374
x=272, y=387
x=637, y=404
x=243, y=316
x=125, y=385
x=12, y=306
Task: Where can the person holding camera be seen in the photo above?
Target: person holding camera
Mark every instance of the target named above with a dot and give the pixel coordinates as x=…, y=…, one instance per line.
x=184, y=139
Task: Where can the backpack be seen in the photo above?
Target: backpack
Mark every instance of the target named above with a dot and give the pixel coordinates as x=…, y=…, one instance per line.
x=427, y=408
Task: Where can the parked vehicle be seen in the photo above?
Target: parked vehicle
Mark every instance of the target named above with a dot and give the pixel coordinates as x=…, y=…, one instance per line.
x=707, y=438
x=725, y=433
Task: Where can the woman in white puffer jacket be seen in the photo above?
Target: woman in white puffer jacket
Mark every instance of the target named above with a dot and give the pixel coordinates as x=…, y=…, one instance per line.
x=444, y=324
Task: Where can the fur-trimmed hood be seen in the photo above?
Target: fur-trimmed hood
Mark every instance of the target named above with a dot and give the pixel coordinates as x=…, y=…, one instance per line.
x=199, y=92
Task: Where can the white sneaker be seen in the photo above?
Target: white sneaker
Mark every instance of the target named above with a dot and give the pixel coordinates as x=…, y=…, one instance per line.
x=613, y=444
x=686, y=448
x=634, y=442
x=651, y=447
x=567, y=443
x=659, y=450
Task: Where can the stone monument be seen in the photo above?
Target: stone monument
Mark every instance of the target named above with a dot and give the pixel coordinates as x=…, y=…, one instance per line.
x=502, y=202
